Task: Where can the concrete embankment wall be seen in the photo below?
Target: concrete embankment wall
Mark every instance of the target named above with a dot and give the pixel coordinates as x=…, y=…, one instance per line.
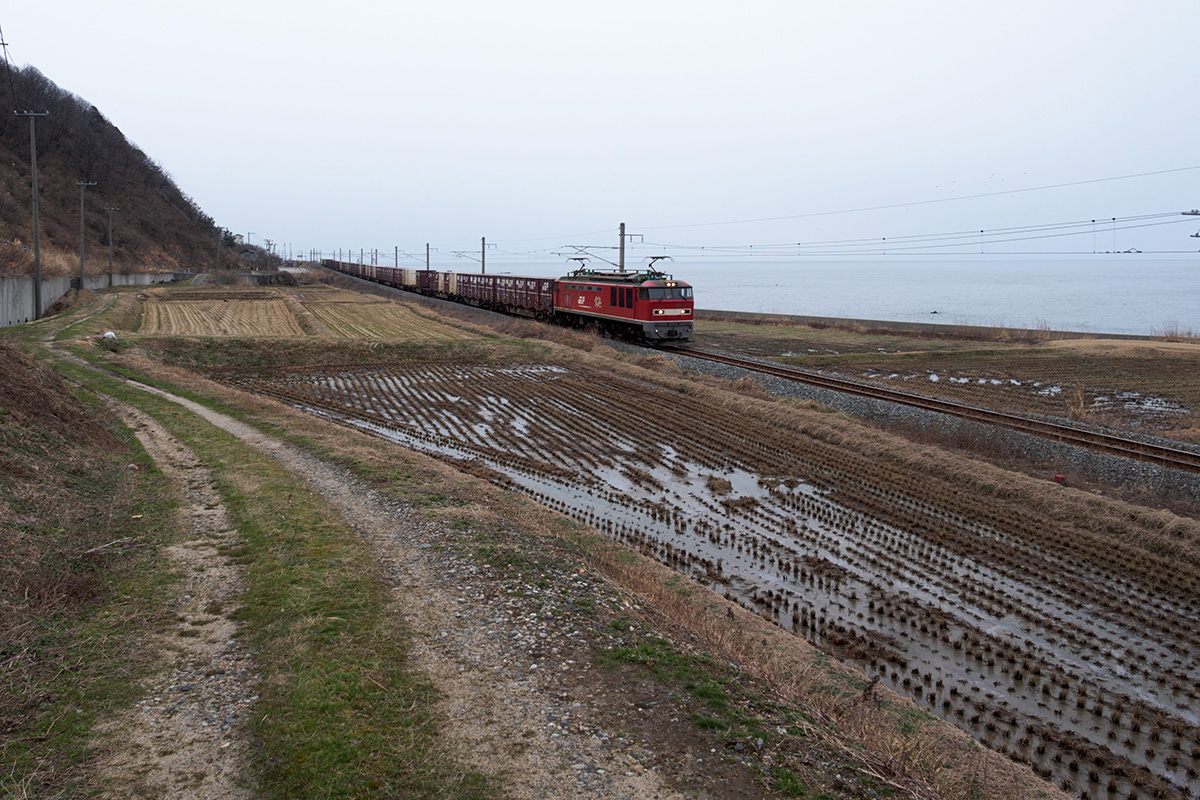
x=16, y=291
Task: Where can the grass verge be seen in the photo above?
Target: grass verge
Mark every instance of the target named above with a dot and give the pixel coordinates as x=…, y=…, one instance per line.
x=83, y=512
x=340, y=713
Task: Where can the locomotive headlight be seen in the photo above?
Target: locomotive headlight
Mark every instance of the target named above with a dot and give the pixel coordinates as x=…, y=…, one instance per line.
x=671, y=284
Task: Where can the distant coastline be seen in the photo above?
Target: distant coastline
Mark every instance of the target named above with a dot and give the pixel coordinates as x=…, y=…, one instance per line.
x=947, y=329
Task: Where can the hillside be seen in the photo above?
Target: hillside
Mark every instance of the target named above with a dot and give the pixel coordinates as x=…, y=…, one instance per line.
x=158, y=225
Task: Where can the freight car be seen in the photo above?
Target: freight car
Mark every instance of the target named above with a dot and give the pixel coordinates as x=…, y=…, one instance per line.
x=645, y=304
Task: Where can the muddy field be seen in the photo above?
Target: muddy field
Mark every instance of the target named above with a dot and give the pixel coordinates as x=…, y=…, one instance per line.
x=1148, y=387
x=1049, y=631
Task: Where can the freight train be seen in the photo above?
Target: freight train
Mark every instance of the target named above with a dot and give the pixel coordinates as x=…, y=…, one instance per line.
x=646, y=304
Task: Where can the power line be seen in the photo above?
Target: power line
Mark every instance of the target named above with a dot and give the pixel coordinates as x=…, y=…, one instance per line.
x=941, y=241
x=919, y=202
x=970, y=235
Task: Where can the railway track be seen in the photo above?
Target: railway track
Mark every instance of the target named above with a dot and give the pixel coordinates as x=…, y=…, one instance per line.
x=1112, y=443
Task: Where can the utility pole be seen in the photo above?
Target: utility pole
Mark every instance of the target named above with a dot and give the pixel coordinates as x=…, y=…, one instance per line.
x=621, y=258
x=37, y=236
x=426, y=254
x=111, y=209
x=220, y=241
x=483, y=255
x=397, y=256
x=82, y=185
x=269, y=243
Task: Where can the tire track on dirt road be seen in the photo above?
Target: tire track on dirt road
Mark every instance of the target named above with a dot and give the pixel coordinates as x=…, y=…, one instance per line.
x=185, y=738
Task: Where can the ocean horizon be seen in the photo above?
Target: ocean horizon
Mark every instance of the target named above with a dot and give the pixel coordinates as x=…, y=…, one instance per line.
x=1132, y=294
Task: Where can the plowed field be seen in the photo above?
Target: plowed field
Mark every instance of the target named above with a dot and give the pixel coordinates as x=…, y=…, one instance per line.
x=282, y=313
x=1043, y=627
x=269, y=316
x=379, y=321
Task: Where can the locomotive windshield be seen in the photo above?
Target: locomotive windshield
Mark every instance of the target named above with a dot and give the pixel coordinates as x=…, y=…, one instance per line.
x=675, y=293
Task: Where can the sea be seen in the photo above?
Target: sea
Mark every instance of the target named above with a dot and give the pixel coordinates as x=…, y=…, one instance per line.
x=1117, y=293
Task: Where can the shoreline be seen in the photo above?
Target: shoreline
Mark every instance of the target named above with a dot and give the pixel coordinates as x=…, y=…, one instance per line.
x=941, y=329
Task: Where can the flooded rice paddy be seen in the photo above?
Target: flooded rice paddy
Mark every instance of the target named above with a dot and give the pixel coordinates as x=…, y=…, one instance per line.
x=1067, y=650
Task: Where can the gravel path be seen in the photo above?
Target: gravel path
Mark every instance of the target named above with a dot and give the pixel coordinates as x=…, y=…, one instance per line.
x=184, y=738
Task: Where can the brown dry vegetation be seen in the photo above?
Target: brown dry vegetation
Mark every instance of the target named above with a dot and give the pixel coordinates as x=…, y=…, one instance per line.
x=1139, y=388
x=156, y=226
x=40, y=420
x=758, y=327
x=930, y=504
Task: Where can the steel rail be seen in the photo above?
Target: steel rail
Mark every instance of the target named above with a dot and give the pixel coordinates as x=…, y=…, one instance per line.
x=1161, y=455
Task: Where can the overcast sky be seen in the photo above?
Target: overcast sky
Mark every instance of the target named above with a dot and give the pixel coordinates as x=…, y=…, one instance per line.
x=537, y=124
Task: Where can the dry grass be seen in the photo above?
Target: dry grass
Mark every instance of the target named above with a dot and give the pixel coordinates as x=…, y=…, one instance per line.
x=18, y=260
x=80, y=515
x=974, y=333
x=1174, y=332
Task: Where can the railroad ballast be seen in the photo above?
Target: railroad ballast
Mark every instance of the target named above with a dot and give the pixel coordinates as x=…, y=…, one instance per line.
x=645, y=304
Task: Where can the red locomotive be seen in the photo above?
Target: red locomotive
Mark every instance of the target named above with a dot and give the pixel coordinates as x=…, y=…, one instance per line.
x=646, y=304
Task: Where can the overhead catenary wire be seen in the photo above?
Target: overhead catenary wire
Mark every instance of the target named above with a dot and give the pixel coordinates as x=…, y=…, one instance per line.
x=957, y=241
x=940, y=241
x=914, y=203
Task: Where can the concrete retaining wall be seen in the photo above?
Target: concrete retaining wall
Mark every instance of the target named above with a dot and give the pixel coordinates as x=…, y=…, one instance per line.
x=16, y=292
x=16, y=297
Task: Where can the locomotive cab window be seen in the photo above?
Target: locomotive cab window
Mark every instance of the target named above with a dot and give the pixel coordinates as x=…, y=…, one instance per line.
x=674, y=293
